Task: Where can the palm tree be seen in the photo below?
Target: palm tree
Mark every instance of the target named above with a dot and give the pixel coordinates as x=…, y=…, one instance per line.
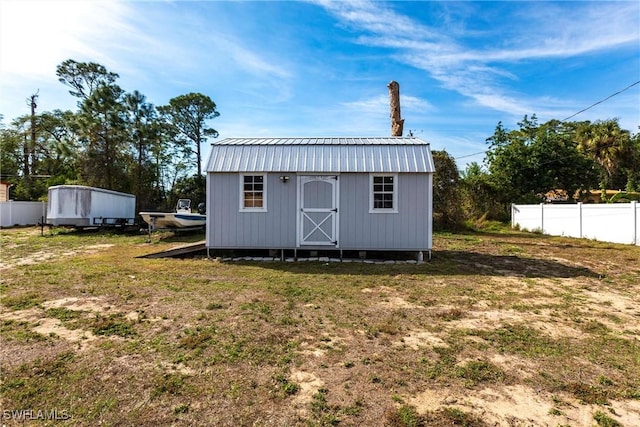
x=606, y=143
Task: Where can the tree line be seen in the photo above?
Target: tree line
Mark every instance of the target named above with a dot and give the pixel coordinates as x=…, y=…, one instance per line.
x=535, y=162
x=120, y=141
x=115, y=140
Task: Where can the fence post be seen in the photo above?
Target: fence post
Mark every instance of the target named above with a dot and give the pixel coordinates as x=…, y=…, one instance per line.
x=580, y=219
x=542, y=218
x=634, y=230
x=513, y=220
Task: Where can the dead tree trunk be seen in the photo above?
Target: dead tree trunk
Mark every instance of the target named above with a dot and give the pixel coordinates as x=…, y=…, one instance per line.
x=32, y=145
x=396, y=122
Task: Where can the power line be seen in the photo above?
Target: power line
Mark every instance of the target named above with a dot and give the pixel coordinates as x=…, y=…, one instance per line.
x=602, y=100
x=471, y=155
x=565, y=119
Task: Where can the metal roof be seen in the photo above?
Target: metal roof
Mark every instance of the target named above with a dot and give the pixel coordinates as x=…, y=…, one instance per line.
x=321, y=155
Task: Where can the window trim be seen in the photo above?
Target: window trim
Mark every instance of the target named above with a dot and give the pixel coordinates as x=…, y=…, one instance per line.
x=394, y=209
x=264, y=193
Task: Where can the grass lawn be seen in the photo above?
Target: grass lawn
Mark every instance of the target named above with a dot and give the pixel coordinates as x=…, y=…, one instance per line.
x=501, y=328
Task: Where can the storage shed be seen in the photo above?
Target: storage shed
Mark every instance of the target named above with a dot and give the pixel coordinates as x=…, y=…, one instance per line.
x=354, y=194
x=82, y=206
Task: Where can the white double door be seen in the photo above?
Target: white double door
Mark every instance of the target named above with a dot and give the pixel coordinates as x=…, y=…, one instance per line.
x=318, y=210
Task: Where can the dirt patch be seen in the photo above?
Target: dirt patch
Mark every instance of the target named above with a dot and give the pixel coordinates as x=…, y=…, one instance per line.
x=53, y=327
x=319, y=346
x=34, y=258
x=420, y=339
x=309, y=385
x=92, y=249
x=43, y=256
x=389, y=297
x=489, y=319
x=545, y=322
x=97, y=304
x=612, y=302
x=517, y=366
x=519, y=405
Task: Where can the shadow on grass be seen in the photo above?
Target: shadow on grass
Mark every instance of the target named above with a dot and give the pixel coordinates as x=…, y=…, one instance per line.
x=446, y=263
x=164, y=236
x=189, y=236
x=510, y=265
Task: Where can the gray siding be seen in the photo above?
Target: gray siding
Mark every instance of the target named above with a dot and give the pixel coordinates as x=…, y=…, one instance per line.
x=227, y=227
x=409, y=229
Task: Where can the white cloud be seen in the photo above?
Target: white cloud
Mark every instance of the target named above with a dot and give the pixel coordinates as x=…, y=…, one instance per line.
x=551, y=31
x=380, y=103
x=159, y=48
x=37, y=35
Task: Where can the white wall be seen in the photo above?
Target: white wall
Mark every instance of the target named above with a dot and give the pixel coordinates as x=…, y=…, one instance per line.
x=21, y=213
x=615, y=222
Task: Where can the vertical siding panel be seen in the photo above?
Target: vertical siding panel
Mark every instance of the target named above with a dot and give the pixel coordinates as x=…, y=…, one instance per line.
x=411, y=209
x=274, y=229
x=389, y=221
x=288, y=210
x=209, y=229
x=416, y=210
x=364, y=228
x=237, y=231
x=277, y=192
x=219, y=202
x=359, y=208
x=421, y=211
x=405, y=232
x=346, y=211
x=215, y=208
x=344, y=208
x=350, y=215
x=231, y=200
x=424, y=217
x=370, y=235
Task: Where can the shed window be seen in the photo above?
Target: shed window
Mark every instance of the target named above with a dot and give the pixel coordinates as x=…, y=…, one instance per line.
x=383, y=194
x=253, y=190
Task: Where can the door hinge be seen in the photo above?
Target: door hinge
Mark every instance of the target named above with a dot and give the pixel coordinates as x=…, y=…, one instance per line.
x=334, y=210
x=335, y=243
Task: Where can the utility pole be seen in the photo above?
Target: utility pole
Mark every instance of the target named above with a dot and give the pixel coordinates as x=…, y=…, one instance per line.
x=397, y=123
x=32, y=146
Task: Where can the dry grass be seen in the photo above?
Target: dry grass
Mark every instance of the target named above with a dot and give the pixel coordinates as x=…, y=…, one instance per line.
x=501, y=328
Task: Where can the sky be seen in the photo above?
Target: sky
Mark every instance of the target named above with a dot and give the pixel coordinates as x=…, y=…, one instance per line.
x=321, y=68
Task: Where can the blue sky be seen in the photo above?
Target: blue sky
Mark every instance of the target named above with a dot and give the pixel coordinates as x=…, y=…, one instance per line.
x=320, y=68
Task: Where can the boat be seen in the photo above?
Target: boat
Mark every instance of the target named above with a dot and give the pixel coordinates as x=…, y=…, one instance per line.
x=182, y=218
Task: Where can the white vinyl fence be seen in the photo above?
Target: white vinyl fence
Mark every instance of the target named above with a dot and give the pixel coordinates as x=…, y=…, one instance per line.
x=615, y=222
x=21, y=213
